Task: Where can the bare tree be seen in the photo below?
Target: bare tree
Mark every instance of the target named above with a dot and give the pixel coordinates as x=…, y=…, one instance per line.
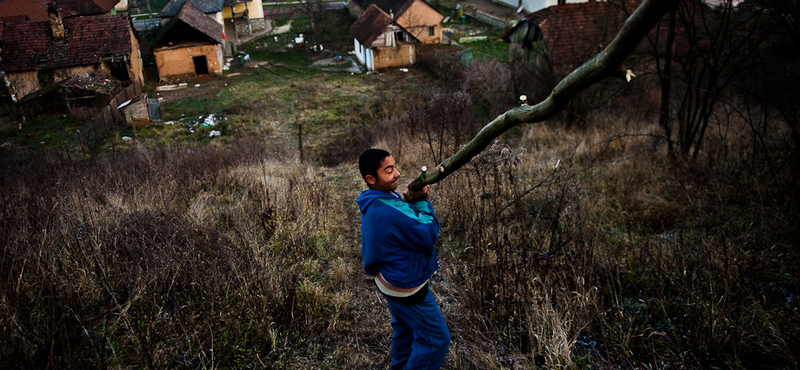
x=607, y=63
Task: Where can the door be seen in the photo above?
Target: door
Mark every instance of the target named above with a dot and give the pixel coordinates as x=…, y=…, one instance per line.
x=200, y=65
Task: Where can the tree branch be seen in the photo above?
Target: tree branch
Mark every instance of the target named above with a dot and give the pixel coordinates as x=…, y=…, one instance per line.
x=605, y=64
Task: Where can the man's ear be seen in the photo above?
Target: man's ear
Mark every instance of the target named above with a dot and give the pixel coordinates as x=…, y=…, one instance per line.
x=370, y=179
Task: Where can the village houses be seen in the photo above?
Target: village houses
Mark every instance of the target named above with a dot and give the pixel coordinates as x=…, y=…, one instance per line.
x=190, y=44
x=43, y=43
x=387, y=32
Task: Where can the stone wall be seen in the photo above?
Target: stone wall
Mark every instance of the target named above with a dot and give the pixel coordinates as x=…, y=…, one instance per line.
x=256, y=25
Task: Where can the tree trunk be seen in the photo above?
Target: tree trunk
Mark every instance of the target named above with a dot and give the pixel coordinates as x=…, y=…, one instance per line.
x=666, y=81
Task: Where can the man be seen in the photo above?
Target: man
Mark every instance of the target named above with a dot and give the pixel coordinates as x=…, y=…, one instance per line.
x=398, y=235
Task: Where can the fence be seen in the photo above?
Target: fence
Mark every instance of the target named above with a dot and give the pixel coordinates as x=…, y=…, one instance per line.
x=109, y=118
x=298, y=11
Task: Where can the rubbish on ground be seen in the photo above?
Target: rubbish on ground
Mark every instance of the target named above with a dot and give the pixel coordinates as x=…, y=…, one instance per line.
x=170, y=87
x=195, y=124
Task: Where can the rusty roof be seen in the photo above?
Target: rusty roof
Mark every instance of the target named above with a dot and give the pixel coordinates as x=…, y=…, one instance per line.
x=572, y=33
x=35, y=10
x=30, y=46
x=190, y=23
x=370, y=25
x=204, y=6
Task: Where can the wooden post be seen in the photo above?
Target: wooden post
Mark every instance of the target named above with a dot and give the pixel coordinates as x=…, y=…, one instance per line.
x=300, y=140
x=80, y=140
x=44, y=150
x=66, y=150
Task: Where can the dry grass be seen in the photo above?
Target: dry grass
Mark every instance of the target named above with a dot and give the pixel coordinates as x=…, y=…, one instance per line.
x=561, y=247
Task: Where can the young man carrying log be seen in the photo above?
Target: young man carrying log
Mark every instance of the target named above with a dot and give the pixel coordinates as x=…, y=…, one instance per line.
x=398, y=235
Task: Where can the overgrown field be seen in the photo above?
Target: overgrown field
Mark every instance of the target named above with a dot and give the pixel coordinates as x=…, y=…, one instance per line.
x=574, y=243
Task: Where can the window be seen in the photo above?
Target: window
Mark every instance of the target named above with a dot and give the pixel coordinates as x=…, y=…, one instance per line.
x=398, y=36
x=430, y=31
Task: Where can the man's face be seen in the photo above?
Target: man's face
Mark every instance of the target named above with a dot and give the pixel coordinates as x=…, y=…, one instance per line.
x=387, y=176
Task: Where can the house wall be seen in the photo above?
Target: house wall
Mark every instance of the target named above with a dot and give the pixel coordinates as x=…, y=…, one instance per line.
x=255, y=10
x=417, y=20
x=386, y=57
x=135, y=64
x=217, y=17
x=22, y=84
x=176, y=63
x=122, y=5
x=387, y=39
x=137, y=114
x=364, y=55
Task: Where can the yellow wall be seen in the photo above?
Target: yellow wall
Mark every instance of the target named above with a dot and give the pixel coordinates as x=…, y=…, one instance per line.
x=22, y=84
x=392, y=56
x=177, y=64
x=418, y=18
x=25, y=83
x=135, y=64
x=255, y=9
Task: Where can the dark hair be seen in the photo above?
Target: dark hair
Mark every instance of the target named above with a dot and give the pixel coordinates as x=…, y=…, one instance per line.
x=370, y=161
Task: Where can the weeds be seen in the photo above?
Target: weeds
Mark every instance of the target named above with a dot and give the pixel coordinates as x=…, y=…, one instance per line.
x=574, y=246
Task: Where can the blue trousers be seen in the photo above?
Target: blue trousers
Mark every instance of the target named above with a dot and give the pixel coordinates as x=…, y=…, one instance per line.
x=420, y=337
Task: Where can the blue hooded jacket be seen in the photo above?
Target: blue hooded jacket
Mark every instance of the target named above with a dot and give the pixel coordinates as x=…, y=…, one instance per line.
x=398, y=237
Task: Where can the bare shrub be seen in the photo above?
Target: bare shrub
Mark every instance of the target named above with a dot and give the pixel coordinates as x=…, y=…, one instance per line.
x=165, y=258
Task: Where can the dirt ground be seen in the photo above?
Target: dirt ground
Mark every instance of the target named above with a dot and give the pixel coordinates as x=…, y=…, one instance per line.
x=200, y=86
x=212, y=85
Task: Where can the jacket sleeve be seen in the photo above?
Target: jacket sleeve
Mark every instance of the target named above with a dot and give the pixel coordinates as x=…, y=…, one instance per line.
x=418, y=227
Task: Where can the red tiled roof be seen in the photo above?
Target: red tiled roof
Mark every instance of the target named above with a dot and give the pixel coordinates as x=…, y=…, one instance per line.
x=370, y=25
x=30, y=46
x=36, y=12
x=14, y=18
x=572, y=33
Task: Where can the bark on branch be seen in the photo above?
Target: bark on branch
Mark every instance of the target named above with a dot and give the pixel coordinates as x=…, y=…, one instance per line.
x=607, y=63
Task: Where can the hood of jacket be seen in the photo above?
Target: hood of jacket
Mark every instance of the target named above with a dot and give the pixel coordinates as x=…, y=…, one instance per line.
x=368, y=196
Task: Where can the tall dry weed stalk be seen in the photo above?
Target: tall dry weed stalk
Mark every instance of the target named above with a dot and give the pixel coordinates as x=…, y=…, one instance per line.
x=196, y=257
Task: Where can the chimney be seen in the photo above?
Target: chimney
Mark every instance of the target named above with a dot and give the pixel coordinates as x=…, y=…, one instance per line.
x=56, y=23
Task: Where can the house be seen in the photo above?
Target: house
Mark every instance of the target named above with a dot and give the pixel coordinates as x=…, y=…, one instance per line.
x=532, y=6
x=27, y=10
x=37, y=54
x=566, y=36
x=211, y=8
x=189, y=45
x=417, y=17
x=380, y=42
x=246, y=16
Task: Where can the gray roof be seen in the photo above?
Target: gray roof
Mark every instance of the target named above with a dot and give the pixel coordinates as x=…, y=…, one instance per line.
x=205, y=6
x=189, y=24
